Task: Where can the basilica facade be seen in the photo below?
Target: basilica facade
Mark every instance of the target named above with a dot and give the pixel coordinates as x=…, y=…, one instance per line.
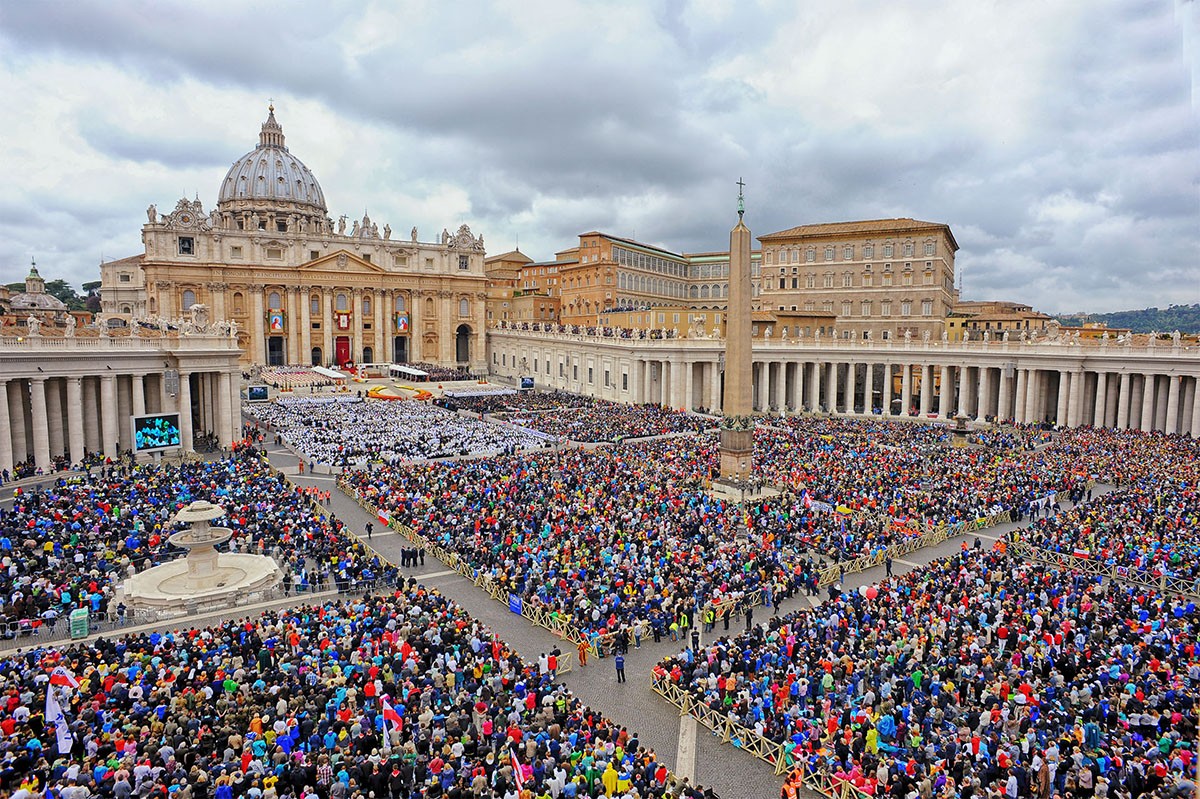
x=300, y=287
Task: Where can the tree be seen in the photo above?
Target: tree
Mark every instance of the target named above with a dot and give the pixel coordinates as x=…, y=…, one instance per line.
x=64, y=291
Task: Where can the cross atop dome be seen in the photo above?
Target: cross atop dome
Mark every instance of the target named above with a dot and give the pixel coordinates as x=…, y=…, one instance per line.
x=272, y=132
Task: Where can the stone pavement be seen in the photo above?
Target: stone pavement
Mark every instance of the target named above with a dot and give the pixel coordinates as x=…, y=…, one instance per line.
x=733, y=774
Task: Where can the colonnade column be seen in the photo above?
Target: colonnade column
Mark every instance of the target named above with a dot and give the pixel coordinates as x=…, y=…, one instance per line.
x=831, y=388
x=1064, y=387
x=983, y=393
x=75, y=419
x=887, y=390
x=798, y=387
x=6, y=444
x=851, y=378
x=109, y=434
x=944, y=394
x=1195, y=430
x=41, y=430
x=1101, y=399
x=814, y=388
x=714, y=401
x=689, y=386
x=54, y=416
x=1147, y=420
x=906, y=389
x=1033, y=405
x=185, y=410
x=1004, y=401
x=1075, y=412
x=1022, y=391
x=139, y=395
x=1172, y=425
x=1123, y=400
x=764, y=386
x=926, y=396
x=225, y=411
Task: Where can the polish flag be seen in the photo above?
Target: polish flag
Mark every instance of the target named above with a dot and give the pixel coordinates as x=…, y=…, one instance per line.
x=384, y=518
x=1081, y=553
x=61, y=676
x=391, y=717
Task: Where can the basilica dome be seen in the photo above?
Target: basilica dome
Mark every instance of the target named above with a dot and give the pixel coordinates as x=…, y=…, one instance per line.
x=269, y=176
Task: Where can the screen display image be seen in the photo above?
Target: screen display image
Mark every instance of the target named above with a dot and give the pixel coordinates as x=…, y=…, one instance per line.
x=256, y=393
x=155, y=432
x=526, y=382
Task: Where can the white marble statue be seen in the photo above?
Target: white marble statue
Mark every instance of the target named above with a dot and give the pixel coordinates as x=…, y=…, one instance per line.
x=35, y=326
x=70, y=331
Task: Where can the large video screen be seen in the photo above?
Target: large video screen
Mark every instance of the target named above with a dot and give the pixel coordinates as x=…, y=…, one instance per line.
x=155, y=432
x=526, y=382
x=256, y=393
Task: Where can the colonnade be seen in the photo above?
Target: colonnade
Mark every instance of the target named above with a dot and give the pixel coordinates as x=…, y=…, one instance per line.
x=1145, y=388
x=62, y=399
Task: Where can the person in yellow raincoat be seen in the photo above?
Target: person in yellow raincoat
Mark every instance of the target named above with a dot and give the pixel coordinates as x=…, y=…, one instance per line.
x=609, y=780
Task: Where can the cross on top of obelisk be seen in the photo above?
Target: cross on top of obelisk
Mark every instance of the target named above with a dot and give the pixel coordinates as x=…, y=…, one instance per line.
x=741, y=198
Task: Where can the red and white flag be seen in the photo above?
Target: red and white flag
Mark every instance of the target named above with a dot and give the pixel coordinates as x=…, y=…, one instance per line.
x=518, y=775
x=62, y=676
x=391, y=717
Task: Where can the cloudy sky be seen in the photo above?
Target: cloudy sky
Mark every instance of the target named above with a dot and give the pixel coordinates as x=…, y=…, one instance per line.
x=1060, y=140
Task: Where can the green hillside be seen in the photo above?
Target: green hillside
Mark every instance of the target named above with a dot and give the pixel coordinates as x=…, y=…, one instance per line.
x=1184, y=318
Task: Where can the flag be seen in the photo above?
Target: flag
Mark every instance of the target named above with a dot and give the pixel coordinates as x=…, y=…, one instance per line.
x=62, y=676
x=55, y=716
x=384, y=518
x=518, y=776
x=1081, y=553
x=391, y=717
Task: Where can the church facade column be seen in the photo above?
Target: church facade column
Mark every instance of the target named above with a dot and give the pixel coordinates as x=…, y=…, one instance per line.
x=945, y=390
x=379, y=350
x=258, y=337
x=6, y=444
x=327, y=326
x=1146, y=422
x=109, y=434
x=356, y=305
x=291, y=299
x=1098, y=411
x=906, y=372
x=851, y=388
x=1172, y=425
x=306, y=327
x=75, y=439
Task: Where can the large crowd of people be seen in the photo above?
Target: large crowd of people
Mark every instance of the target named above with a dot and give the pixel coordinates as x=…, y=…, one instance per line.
x=72, y=544
x=602, y=420
x=396, y=695
x=351, y=432
x=977, y=676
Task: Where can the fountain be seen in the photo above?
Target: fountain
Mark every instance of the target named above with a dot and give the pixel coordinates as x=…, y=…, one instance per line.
x=205, y=578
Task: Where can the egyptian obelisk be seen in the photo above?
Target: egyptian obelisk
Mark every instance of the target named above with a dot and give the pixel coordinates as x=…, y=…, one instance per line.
x=737, y=422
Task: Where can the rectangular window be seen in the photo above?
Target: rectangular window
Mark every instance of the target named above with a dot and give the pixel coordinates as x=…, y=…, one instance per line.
x=186, y=245
x=400, y=260
x=926, y=307
x=624, y=381
x=235, y=252
x=888, y=251
x=125, y=277
x=274, y=254
x=906, y=308
x=314, y=255
x=429, y=263
x=847, y=308
x=868, y=251
x=908, y=249
x=848, y=252
x=827, y=282
x=464, y=262
x=866, y=308
x=847, y=281
x=868, y=279
x=575, y=371
x=367, y=257
x=281, y=226
x=885, y=308
x=607, y=379
x=929, y=248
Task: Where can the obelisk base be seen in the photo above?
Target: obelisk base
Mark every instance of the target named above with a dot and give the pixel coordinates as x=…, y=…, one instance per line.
x=737, y=454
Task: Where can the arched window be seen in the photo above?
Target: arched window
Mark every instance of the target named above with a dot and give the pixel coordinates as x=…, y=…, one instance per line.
x=464, y=307
x=273, y=301
x=189, y=298
x=401, y=303
x=704, y=292
x=314, y=304
x=366, y=307
x=343, y=302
